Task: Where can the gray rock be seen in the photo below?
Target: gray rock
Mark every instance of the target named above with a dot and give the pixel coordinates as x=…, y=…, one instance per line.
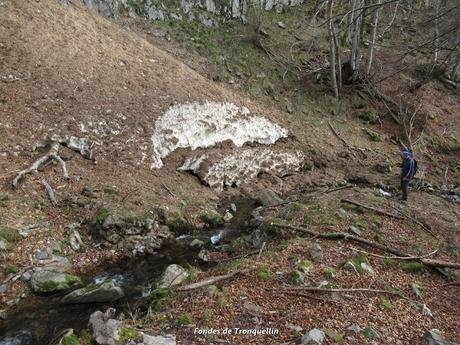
x=102, y=293
x=26, y=230
x=54, y=247
x=314, y=337
x=282, y=25
x=196, y=243
x=233, y=207
x=353, y=329
x=45, y=281
x=367, y=268
x=203, y=255
x=3, y=288
x=433, y=337
x=416, y=290
x=212, y=290
x=104, y=327
x=349, y=266
x=227, y=216
x=269, y=198
x=154, y=14
x=354, y=230
x=57, y=264
x=316, y=252
x=172, y=276
x=75, y=240
x=158, y=340
x=2, y=245
x=26, y=276
x=42, y=255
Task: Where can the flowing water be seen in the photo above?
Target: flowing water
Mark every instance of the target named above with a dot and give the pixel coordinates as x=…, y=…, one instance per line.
x=38, y=319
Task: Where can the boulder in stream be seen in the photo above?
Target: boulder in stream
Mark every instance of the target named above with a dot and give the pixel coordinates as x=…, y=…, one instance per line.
x=104, y=328
x=46, y=281
x=94, y=293
x=173, y=275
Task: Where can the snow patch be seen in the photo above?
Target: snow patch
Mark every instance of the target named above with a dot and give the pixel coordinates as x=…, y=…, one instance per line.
x=241, y=166
x=195, y=125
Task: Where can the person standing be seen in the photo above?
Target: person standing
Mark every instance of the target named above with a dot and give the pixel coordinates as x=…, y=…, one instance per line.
x=408, y=170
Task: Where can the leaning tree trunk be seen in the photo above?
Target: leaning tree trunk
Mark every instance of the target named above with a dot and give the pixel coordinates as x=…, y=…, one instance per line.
x=332, y=49
x=373, y=37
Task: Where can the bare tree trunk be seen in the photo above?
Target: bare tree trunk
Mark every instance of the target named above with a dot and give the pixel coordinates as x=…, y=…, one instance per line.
x=339, y=59
x=332, y=49
x=355, y=54
x=436, y=34
x=373, y=37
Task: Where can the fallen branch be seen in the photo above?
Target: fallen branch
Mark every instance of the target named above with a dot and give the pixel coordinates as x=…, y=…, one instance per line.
x=311, y=296
x=338, y=188
x=18, y=274
x=382, y=213
x=397, y=257
x=316, y=289
x=167, y=189
x=347, y=145
x=348, y=237
x=50, y=193
x=213, y=280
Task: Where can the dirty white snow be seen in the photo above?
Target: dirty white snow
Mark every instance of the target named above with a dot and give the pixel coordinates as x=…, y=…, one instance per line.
x=242, y=166
x=201, y=125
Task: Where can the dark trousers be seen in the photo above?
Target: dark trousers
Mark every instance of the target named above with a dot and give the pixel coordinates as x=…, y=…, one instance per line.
x=404, y=188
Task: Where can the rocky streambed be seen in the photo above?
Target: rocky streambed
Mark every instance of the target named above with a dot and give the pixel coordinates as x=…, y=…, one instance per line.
x=63, y=301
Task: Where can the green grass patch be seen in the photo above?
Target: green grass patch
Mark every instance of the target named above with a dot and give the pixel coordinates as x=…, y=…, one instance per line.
x=9, y=234
x=184, y=319
x=70, y=340
x=263, y=273
x=160, y=298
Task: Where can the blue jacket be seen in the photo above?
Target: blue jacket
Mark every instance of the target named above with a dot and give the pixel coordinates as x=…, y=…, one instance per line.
x=408, y=168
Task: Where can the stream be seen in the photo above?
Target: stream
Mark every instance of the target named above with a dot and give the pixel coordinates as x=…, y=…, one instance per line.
x=38, y=319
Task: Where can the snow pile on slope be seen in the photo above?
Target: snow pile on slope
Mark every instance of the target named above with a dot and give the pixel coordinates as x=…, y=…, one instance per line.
x=194, y=125
x=241, y=166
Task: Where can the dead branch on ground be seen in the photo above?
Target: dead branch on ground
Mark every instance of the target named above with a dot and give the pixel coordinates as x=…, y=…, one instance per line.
x=382, y=213
x=213, y=280
x=352, y=238
x=50, y=193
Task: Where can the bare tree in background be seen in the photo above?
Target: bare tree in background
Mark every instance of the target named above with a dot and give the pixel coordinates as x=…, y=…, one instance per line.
x=373, y=37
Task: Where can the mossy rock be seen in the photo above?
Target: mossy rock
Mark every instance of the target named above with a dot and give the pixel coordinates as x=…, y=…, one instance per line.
x=101, y=216
x=330, y=272
x=305, y=266
x=374, y=136
x=296, y=277
x=370, y=116
x=127, y=335
x=50, y=281
x=212, y=219
x=412, y=266
x=180, y=225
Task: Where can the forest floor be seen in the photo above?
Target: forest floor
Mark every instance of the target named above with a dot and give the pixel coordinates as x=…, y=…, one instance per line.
x=64, y=67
